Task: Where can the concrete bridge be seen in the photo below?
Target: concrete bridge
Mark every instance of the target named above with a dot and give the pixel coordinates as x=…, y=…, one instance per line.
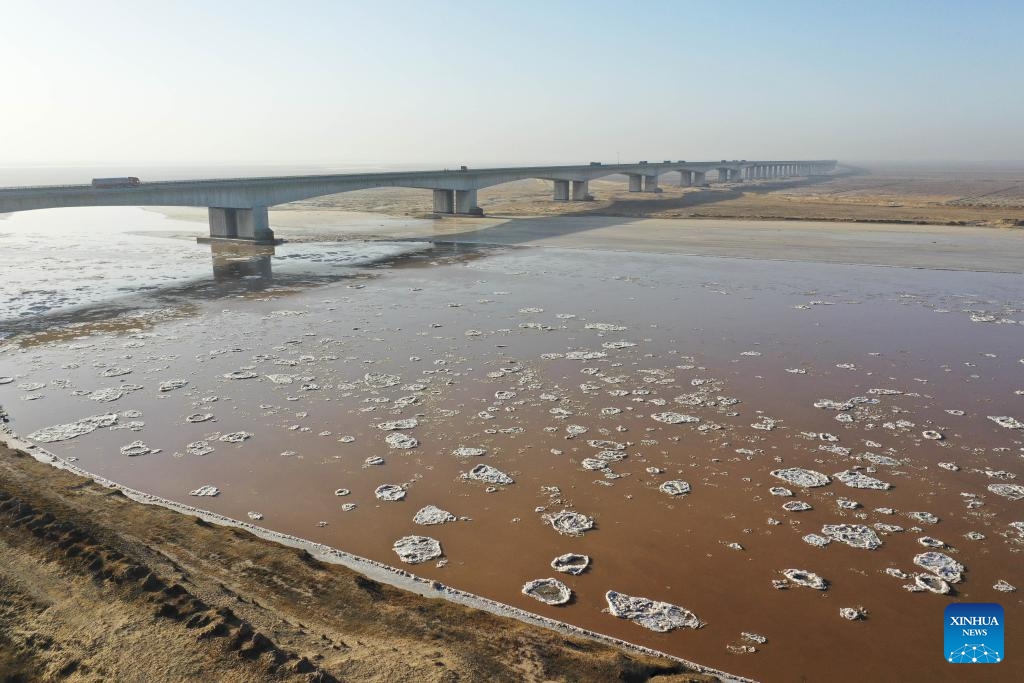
x=238, y=206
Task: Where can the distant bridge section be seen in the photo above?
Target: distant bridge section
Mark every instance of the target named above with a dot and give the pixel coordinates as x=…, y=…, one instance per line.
x=238, y=206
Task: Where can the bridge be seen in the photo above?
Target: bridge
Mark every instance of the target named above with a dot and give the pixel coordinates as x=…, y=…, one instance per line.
x=238, y=206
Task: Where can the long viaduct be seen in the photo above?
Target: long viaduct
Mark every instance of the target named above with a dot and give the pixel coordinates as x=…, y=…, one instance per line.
x=238, y=206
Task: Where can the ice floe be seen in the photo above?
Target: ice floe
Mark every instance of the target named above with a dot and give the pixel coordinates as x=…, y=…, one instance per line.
x=571, y=563
x=417, y=549
x=660, y=617
x=488, y=474
x=940, y=564
x=799, y=476
x=431, y=514
x=207, y=490
x=569, y=523
x=389, y=492
x=802, y=577
x=548, y=591
x=401, y=441
x=71, y=430
x=853, y=535
x=1011, y=491
x=858, y=480
x=674, y=487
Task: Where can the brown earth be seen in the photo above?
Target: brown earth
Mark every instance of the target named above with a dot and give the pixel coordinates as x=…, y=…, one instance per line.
x=96, y=587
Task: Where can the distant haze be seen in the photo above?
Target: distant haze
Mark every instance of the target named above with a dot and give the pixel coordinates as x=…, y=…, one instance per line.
x=444, y=83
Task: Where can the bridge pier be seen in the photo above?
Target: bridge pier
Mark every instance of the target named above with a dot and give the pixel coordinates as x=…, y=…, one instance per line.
x=444, y=201
x=465, y=203
x=251, y=225
x=561, y=191
x=581, y=191
x=636, y=182
x=700, y=179
x=651, y=183
x=685, y=179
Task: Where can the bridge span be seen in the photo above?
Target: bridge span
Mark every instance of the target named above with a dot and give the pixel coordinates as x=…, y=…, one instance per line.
x=238, y=206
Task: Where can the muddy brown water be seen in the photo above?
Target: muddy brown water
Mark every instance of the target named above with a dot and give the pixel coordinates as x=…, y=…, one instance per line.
x=691, y=319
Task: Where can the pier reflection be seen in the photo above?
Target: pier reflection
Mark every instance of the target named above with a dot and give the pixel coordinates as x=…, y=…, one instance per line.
x=234, y=261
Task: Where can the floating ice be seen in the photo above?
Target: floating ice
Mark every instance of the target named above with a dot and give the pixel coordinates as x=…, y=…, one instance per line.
x=172, y=384
x=469, y=451
x=651, y=614
x=207, y=490
x=199, y=448
x=606, y=445
x=951, y=466
x=1008, y=422
x=593, y=464
x=198, y=417
x=857, y=480
x=281, y=379
x=432, y=514
x=348, y=507
x=780, y=491
x=1011, y=491
x=488, y=474
x=674, y=418
x=398, y=424
x=930, y=583
x=929, y=542
x=801, y=477
x=802, y=577
x=389, y=492
x=136, y=448
x=879, y=459
x=400, y=440
x=926, y=517
x=852, y=613
x=1003, y=587
x=380, y=380
x=571, y=563
x=605, y=327
x=796, y=506
x=341, y=492
x=70, y=430
x=586, y=355
x=674, y=487
x=940, y=564
x=255, y=516
x=932, y=435
x=374, y=460
x=106, y=395
x=417, y=549
x=6, y=380
x=853, y=535
x=235, y=437
x=240, y=374
x=816, y=540
x=548, y=591
x=570, y=523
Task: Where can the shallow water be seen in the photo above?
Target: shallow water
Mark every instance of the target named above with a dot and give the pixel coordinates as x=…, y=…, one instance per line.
x=460, y=325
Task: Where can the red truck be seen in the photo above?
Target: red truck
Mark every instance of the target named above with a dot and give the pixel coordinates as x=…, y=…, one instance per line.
x=107, y=183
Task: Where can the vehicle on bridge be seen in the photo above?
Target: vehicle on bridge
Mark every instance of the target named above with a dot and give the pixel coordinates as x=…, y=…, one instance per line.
x=107, y=183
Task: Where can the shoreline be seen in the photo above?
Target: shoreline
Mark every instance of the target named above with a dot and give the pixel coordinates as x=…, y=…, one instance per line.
x=390, y=575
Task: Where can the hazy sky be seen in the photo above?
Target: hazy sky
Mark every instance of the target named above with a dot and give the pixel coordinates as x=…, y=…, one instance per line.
x=218, y=81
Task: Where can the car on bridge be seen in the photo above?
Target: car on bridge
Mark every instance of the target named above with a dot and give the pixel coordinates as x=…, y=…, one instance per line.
x=109, y=183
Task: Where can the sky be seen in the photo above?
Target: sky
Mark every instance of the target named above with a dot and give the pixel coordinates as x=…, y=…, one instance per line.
x=449, y=82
